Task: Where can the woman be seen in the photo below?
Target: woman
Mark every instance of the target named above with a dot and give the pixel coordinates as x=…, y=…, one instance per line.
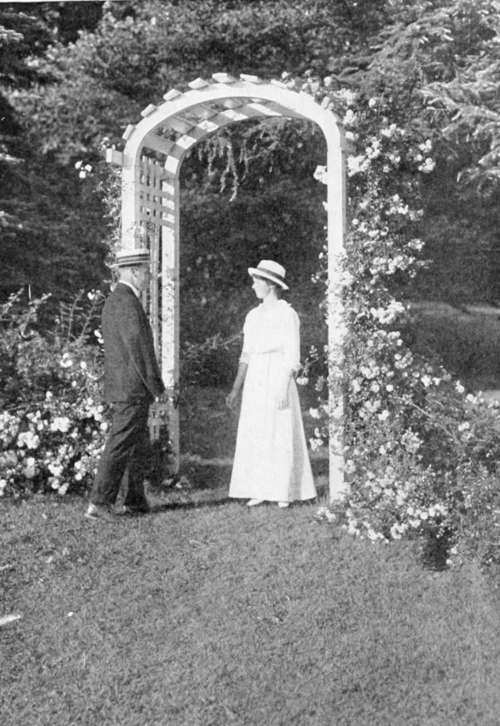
x=271, y=461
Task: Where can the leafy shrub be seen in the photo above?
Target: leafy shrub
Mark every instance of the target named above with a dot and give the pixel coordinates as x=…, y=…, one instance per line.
x=51, y=421
x=417, y=447
x=210, y=363
x=466, y=343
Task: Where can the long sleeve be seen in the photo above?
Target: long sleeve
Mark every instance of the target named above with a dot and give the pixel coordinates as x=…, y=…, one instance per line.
x=138, y=341
x=292, y=341
x=245, y=354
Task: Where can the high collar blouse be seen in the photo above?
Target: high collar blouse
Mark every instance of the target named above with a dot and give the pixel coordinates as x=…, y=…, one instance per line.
x=272, y=328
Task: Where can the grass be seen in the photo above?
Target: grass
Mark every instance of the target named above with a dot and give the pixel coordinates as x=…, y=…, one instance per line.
x=215, y=614
x=207, y=613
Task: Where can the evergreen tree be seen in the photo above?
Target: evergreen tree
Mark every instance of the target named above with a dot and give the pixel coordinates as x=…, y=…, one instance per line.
x=47, y=217
x=430, y=65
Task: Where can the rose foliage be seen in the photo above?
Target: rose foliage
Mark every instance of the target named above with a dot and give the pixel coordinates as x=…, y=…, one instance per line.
x=420, y=453
x=51, y=419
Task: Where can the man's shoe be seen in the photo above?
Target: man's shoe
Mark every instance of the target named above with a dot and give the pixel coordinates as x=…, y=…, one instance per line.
x=100, y=511
x=255, y=502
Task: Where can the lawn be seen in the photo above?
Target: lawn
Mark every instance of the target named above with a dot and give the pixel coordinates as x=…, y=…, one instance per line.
x=206, y=614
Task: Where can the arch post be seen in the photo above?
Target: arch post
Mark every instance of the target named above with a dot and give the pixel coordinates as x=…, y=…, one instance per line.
x=169, y=311
x=336, y=323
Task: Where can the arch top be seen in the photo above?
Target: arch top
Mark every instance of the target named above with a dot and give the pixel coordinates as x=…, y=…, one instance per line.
x=186, y=117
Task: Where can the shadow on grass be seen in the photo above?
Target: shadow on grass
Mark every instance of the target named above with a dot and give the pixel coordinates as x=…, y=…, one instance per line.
x=207, y=476
x=200, y=504
x=207, y=485
x=435, y=552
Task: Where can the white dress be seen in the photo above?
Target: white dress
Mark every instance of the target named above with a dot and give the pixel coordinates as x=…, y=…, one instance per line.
x=271, y=460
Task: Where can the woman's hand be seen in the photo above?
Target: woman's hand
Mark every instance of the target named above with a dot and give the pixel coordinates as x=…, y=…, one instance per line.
x=238, y=383
x=283, y=401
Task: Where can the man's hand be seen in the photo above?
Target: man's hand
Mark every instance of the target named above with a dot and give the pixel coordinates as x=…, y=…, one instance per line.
x=231, y=399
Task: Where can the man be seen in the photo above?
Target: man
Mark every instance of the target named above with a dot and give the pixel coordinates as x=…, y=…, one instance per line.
x=132, y=380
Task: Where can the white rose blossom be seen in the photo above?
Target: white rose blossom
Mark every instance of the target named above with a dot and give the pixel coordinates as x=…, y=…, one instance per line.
x=321, y=174
x=357, y=164
x=428, y=166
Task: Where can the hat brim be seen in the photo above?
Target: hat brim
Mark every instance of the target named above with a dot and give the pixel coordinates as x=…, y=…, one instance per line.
x=131, y=261
x=255, y=272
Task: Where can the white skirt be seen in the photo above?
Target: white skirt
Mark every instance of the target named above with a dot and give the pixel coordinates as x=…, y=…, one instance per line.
x=271, y=460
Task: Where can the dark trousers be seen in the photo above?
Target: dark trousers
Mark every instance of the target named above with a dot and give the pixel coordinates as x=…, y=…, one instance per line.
x=125, y=456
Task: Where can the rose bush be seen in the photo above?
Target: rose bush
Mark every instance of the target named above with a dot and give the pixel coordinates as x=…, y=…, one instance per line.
x=420, y=453
x=51, y=419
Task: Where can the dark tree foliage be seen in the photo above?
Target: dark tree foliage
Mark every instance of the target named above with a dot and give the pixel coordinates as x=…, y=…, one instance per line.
x=76, y=77
x=48, y=219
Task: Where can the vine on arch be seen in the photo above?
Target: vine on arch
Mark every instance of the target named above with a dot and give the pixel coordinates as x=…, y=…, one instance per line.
x=420, y=452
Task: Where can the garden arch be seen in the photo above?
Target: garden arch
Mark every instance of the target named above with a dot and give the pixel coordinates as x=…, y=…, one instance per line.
x=150, y=164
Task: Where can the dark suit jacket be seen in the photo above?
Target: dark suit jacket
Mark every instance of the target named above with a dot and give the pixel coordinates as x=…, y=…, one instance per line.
x=131, y=371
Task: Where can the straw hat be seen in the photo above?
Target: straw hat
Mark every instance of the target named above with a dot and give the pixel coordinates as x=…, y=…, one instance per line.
x=269, y=270
x=132, y=256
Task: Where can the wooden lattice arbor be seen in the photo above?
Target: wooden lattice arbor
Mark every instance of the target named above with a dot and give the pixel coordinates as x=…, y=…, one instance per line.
x=151, y=162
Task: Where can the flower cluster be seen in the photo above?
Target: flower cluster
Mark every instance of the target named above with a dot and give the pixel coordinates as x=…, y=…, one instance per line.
x=84, y=170
x=52, y=423
x=414, y=443
x=53, y=447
